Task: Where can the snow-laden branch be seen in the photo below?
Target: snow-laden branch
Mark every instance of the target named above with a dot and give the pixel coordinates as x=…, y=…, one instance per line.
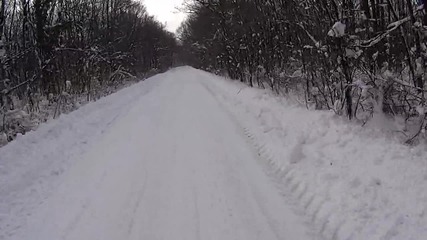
x=10, y=90
x=398, y=81
x=337, y=30
x=391, y=27
x=121, y=72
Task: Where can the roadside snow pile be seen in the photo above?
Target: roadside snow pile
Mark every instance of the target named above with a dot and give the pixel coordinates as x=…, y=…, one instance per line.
x=26, y=115
x=353, y=181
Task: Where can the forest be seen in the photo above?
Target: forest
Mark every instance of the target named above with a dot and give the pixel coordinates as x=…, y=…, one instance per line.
x=359, y=58
x=59, y=54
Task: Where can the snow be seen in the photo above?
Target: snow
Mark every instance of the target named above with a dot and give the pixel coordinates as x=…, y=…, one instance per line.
x=3, y=139
x=30, y=167
x=159, y=160
x=353, y=182
x=353, y=53
x=68, y=85
x=421, y=110
x=337, y=30
x=189, y=155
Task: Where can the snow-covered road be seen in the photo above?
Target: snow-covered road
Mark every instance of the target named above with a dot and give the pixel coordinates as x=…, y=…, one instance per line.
x=162, y=160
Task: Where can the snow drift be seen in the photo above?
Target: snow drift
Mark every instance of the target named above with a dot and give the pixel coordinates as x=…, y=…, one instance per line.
x=354, y=182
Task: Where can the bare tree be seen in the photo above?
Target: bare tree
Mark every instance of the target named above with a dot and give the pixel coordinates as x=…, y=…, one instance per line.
x=54, y=52
x=358, y=58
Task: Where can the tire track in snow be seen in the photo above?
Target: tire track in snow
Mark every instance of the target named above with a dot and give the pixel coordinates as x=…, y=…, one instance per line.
x=202, y=180
x=293, y=190
x=264, y=159
x=137, y=205
x=196, y=213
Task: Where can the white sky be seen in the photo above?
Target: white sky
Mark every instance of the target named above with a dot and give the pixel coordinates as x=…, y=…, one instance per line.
x=166, y=12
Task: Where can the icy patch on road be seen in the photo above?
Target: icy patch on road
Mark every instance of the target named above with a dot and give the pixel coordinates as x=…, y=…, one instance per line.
x=353, y=182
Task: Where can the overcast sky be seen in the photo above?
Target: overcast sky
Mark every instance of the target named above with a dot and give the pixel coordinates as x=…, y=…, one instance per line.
x=166, y=12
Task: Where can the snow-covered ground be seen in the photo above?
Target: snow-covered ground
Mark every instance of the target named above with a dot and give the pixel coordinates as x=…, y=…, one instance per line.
x=189, y=155
x=352, y=182
x=159, y=160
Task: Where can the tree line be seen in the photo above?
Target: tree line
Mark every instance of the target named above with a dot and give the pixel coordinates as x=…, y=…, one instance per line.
x=54, y=53
x=359, y=58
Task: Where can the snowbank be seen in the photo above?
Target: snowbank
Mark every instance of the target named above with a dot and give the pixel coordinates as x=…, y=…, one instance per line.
x=354, y=182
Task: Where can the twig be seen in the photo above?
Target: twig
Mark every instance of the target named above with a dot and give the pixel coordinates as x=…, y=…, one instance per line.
x=316, y=43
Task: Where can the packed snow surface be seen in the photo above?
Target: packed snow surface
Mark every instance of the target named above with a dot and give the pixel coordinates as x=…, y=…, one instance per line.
x=189, y=155
x=159, y=160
